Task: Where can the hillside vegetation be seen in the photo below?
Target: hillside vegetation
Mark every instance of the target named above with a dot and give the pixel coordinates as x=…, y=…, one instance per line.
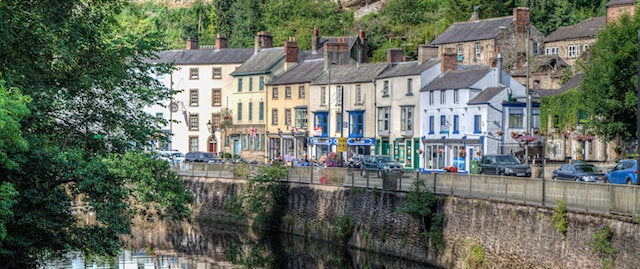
x=399, y=24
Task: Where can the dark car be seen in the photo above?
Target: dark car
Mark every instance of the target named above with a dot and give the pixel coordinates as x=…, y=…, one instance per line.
x=381, y=164
x=200, y=157
x=625, y=172
x=508, y=165
x=579, y=171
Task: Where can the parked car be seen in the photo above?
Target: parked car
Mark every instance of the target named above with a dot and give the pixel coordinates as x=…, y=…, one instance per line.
x=625, y=172
x=173, y=156
x=508, y=165
x=579, y=171
x=201, y=157
x=381, y=164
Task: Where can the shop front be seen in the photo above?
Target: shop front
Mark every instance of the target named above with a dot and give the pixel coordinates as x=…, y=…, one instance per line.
x=320, y=147
x=442, y=154
x=405, y=150
x=360, y=146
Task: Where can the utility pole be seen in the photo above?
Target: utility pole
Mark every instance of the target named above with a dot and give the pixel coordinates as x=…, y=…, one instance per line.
x=638, y=107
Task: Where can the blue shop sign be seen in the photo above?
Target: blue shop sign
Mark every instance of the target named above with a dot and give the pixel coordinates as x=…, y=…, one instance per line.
x=360, y=141
x=320, y=141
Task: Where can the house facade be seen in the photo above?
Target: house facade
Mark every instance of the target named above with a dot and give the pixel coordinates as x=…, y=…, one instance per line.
x=570, y=42
x=288, y=107
x=478, y=42
x=340, y=104
x=462, y=114
x=616, y=8
x=398, y=106
x=202, y=77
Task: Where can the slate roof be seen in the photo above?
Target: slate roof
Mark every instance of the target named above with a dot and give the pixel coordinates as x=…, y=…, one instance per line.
x=620, y=2
x=203, y=56
x=486, y=95
x=585, y=29
x=261, y=62
x=573, y=82
x=361, y=73
x=456, y=79
x=475, y=30
x=408, y=68
x=305, y=71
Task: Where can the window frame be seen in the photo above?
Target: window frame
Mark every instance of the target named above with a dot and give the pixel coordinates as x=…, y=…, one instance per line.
x=274, y=116
x=216, y=72
x=194, y=73
x=216, y=92
x=194, y=97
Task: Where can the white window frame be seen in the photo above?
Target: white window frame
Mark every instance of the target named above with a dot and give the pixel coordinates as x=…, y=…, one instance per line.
x=573, y=51
x=478, y=51
x=406, y=118
x=384, y=119
x=551, y=51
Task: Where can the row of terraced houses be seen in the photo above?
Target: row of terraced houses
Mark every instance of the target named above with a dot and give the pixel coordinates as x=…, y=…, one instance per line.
x=465, y=96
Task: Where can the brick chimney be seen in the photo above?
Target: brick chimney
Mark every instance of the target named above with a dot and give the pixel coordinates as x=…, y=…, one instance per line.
x=263, y=40
x=221, y=42
x=427, y=51
x=314, y=41
x=394, y=55
x=521, y=15
x=291, y=51
x=362, y=57
x=192, y=43
x=448, y=61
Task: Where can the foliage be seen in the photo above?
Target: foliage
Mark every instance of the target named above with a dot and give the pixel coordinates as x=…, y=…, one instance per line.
x=561, y=109
x=263, y=199
x=559, y=217
x=85, y=84
x=421, y=204
x=601, y=244
x=476, y=257
x=610, y=80
x=344, y=229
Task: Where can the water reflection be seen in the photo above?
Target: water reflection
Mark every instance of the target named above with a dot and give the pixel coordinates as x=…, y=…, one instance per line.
x=225, y=246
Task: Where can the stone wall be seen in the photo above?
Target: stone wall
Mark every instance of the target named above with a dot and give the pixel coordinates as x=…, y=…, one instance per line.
x=506, y=235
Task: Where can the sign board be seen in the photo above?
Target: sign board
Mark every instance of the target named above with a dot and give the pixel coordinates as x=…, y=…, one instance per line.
x=342, y=144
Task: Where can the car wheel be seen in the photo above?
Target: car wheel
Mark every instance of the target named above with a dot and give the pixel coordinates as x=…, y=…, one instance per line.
x=606, y=180
x=554, y=177
x=380, y=173
x=629, y=182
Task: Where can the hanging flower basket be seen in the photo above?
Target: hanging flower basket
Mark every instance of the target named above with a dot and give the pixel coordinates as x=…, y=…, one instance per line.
x=583, y=137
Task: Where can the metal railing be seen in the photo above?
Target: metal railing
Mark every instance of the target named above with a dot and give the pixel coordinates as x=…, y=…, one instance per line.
x=609, y=199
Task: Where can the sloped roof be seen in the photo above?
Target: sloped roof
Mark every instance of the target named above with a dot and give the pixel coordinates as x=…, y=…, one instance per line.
x=305, y=71
x=573, y=82
x=456, y=79
x=261, y=62
x=585, y=29
x=203, y=56
x=620, y=2
x=408, y=68
x=350, y=40
x=486, y=95
x=351, y=73
x=475, y=30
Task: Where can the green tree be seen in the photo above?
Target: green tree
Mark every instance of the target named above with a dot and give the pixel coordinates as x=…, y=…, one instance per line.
x=245, y=23
x=610, y=80
x=87, y=84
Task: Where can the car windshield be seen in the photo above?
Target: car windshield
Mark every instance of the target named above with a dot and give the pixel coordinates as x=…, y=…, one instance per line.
x=587, y=168
x=177, y=154
x=507, y=160
x=384, y=159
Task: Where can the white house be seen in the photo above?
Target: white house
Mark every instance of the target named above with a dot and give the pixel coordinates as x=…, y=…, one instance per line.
x=398, y=105
x=201, y=76
x=462, y=112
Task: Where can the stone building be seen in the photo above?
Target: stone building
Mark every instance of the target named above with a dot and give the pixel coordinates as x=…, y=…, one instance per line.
x=478, y=42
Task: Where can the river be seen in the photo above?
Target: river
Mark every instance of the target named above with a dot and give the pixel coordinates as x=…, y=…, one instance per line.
x=228, y=246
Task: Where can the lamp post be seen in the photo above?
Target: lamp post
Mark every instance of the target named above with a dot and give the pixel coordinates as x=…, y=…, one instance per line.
x=213, y=141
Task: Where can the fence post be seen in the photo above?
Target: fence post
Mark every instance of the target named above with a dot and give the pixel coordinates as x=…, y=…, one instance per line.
x=435, y=179
x=311, y=172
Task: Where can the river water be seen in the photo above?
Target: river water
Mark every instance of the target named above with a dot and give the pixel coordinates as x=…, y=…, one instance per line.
x=227, y=246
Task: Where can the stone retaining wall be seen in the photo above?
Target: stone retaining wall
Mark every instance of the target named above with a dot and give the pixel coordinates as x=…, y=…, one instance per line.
x=505, y=235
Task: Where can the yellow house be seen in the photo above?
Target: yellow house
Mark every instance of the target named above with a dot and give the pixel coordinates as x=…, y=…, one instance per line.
x=287, y=109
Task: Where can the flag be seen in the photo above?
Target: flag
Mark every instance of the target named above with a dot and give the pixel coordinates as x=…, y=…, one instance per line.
x=253, y=132
x=294, y=130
